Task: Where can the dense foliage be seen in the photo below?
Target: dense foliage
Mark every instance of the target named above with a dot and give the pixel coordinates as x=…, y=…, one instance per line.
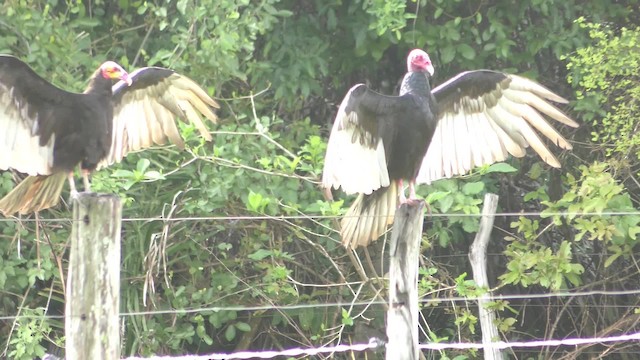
x=280, y=67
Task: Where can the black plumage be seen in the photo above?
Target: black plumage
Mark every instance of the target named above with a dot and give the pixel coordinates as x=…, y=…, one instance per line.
x=377, y=142
x=45, y=132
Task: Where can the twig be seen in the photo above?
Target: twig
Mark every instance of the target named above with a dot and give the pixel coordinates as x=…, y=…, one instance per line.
x=144, y=41
x=262, y=131
x=245, y=97
x=15, y=321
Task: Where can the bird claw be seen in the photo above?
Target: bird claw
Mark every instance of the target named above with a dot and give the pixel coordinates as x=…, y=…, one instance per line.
x=73, y=194
x=410, y=201
x=416, y=201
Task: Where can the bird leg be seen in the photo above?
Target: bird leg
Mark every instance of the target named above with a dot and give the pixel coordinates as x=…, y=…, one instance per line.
x=402, y=198
x=85, y=178
x=72, y=186
x=412, y=190
x=413, y=197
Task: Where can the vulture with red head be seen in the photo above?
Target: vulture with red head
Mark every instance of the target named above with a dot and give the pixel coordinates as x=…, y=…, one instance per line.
x=476, y=118
x=45, y=132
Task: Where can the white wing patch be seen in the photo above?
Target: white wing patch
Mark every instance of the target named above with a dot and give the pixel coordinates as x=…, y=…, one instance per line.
x=349, y=164
x=148, y=116
x=19, y=145
x=477, y=134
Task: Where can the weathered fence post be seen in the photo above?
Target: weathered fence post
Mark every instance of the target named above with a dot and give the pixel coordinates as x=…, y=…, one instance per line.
x=404, y=250
x=478, y=258
x=93, y=279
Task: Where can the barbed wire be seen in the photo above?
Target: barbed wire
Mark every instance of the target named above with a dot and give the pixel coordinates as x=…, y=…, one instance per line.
x=324, y=217
x=338, y=304
x=375, y=344
x=501, y=345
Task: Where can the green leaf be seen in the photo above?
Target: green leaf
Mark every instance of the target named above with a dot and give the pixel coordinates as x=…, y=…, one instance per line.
x=86, y=22
x=438, y=12
x=445, y=204
x=3, y=279
x=332, y=20
x=306, y=318
x=260, y=254
x=215, y=320
x=437, y=196
x=447, y=54
x=142, y=9
x=143, y=165
x=255, y=201
x=122, y=173
x=181, y=5
x=230, y=333
x=473, y=188
x=154, y=175
x=444, y=239
x=346, y=318
x=501, y=167
x=243, y=326
x=466, y=51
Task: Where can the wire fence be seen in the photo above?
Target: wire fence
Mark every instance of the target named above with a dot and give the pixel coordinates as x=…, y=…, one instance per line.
x=379, y=345
x=322, y=217
x=373, y=344
x=430, y=301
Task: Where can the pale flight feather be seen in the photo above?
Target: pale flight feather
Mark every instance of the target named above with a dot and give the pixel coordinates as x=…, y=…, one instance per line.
x=19, y=149
x=348, y=164
x=479, y=134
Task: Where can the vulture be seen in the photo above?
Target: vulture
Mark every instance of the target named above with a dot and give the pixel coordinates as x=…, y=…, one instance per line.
x=476, y=118
x=45, y=132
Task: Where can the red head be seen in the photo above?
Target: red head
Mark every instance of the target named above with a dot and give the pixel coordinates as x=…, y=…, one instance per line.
x=111, y=70
x=419, y=61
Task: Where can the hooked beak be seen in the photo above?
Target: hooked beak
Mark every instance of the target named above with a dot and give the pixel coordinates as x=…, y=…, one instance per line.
x=126, y=78
x=430, y=69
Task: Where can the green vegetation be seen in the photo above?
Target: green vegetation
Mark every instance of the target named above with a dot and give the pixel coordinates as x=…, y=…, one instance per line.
x=279, y=68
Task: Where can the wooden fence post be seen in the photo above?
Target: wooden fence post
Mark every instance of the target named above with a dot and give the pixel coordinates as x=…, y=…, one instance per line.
x=478, y=258
x=404, y=250
x=92, y=303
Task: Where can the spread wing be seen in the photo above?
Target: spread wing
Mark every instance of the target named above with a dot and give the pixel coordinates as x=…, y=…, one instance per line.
x=484, y=116
x=31, y=109
x=355, y=158
x=146, y=112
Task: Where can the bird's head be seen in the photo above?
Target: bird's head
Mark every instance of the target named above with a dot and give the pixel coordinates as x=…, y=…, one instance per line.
x=111, y=70
x=419, y=61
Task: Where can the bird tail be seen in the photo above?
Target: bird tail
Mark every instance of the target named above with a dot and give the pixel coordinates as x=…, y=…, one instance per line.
x=33, y=194
x=369, y=216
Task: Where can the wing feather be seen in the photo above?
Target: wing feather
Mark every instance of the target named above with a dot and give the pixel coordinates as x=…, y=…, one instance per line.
x=463, y=150
x=485, y=115
x=355, y=158
x=462, y=158
x=506, y=141
x=435, y=153
x=169, y=128
x=145, y=113
x=24, y=99
x=485, y=135
x=449, y=149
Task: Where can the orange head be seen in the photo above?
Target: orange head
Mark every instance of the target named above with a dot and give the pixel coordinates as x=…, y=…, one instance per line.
x=111, y=70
